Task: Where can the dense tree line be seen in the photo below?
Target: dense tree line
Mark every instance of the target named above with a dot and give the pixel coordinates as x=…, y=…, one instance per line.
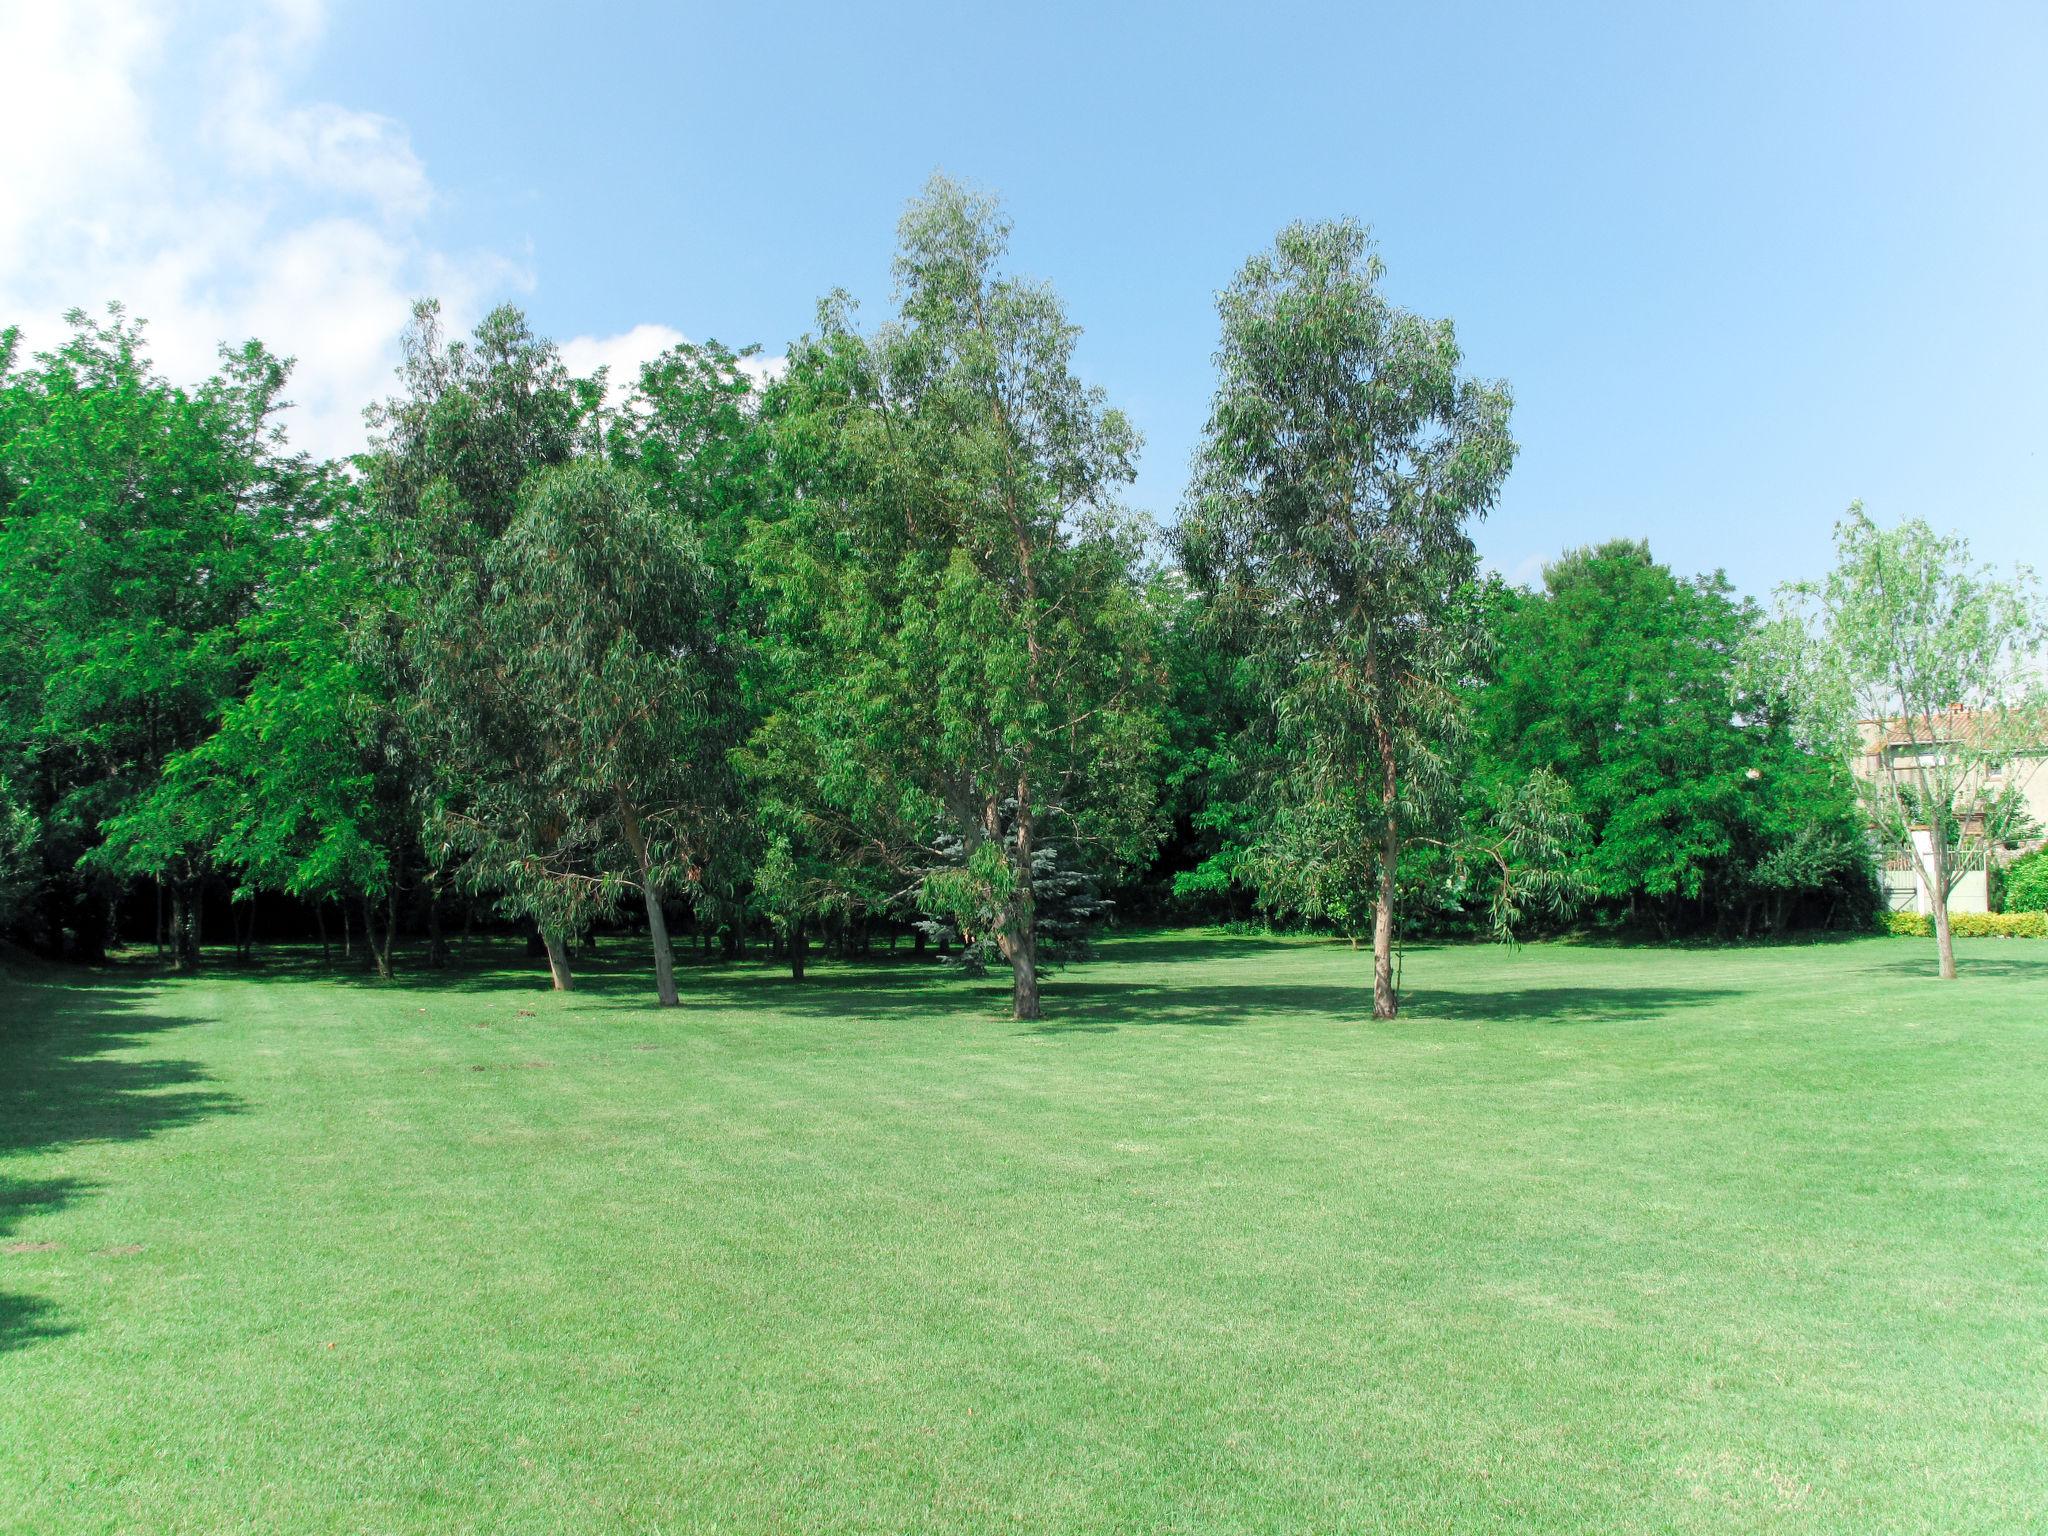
x=873, y=648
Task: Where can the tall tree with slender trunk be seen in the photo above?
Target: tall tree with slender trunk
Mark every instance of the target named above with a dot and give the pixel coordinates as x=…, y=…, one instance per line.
x=1329, y=530
x=475, y=419
x=959, y=625
x=1932, y=670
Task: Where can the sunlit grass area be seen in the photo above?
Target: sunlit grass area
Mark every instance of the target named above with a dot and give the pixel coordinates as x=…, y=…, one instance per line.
x=1591, y=1239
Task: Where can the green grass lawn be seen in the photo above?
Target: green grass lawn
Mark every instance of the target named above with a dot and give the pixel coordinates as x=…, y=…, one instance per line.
x=1591, y=1239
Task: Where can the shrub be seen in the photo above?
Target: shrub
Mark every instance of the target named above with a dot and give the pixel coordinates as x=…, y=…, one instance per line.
x=2026, y=883
x=1972, y=925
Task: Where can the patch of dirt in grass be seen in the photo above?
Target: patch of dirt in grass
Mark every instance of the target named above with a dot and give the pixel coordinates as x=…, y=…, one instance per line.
x=31, y=1248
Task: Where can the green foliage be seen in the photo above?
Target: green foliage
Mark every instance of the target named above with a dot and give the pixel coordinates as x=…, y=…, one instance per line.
x=1936, y=669
x=957, y=641
x=140, y=525
x=1701, y=808
x=1328, y=533
x=2026, y=883
x=605, y=707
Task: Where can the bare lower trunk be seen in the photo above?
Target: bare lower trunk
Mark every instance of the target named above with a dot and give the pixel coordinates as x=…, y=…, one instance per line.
x=380, y=945
x=558, y=961
x=657, y=920
x=664, y=952
x=1024, y=975
x=1385, y=1005
x=320, y=922
x=437, y=940
x=799, y=942
x=1944, y=938
x=184, y=927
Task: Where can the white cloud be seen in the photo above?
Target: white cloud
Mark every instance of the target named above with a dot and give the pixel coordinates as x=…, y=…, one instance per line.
x=625, y=353
x=302, y=222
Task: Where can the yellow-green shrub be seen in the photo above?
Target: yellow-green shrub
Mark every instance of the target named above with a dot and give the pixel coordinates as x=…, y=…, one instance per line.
x=1971, y=925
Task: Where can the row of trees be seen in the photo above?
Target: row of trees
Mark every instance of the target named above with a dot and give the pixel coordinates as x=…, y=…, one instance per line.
x=875, y=644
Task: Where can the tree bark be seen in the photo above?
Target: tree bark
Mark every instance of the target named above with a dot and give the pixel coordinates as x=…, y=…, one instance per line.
x=1944, y=938
x=380, y=948
x=1385, y=1004
x=437, y=940
x=657, y=920
x=799, y=942
x=182, y=957
x=1024, y=976
x=558, y=961
x=320, y=922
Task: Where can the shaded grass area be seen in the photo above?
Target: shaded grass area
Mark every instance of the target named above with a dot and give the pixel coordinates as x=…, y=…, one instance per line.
x=1589, y=1239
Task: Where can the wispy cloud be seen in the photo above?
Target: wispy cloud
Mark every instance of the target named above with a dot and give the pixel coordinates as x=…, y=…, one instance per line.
x=303, y=222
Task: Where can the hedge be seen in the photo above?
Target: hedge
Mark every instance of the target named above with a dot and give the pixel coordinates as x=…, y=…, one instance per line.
x=1972, y=925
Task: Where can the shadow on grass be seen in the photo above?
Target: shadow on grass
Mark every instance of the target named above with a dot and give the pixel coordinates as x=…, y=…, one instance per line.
x=62, y=1084
x=1087, y=998
x=2029, y=966
x=1103, y=1007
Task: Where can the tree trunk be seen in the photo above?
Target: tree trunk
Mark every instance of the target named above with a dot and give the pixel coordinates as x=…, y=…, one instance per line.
x=380, y=948
x=159, y=917
x=181, y=932
x=917, y=943
x=320, y=922
x=437, y=941
x=1024, y=974
x=1944, y=939
x=799, y=942
x=558, y=961
x=657, y=920
x=1385, y=1005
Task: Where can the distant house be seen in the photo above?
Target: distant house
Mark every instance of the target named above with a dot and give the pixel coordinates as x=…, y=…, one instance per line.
x=1897, y=748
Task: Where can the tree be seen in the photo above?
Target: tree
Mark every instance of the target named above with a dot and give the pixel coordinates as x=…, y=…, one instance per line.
x=306, y=786
x=139, y=526
x=612, y=700
x=1328, y=528
x=1624, y=680
x=958, y=623
x=475, y=420
x=1931, y=666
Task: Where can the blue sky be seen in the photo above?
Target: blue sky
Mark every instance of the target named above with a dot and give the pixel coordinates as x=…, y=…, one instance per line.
x=1739, y=264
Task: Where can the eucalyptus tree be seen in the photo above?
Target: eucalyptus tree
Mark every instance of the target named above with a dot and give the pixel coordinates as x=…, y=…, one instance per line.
x=1328, y=529
x=1932, y=670
x=958, y=624
x=612, y=707
x=474, y=420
